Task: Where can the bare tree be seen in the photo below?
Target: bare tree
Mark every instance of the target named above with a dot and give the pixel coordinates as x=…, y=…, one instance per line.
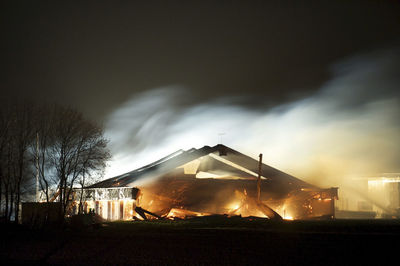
x=41, y=148
x=4, y=127
x=77, y=151
x=16, y=135
x=22, y=137
x=94, y=161
x=72, y=150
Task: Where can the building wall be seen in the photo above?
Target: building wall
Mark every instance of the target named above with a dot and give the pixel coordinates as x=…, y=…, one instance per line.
x=112, y=210
x=370, y=197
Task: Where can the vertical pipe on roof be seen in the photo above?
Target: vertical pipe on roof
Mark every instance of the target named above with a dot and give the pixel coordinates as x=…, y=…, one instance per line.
x=259, y=178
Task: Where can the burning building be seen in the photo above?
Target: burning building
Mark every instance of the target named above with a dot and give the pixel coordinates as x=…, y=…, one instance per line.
x=205, y=181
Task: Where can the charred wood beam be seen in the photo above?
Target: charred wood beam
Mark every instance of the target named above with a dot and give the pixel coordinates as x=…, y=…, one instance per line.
x=272, y=215
x=142, y=212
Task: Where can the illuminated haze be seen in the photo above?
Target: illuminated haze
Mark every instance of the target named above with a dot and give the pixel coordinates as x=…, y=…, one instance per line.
x=351, y=126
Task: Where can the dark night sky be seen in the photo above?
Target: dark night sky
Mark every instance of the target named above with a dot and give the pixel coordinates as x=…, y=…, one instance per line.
x=97, y=55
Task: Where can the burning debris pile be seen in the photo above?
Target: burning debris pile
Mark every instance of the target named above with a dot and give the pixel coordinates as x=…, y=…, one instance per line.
x=208, y=181
x=241, y=204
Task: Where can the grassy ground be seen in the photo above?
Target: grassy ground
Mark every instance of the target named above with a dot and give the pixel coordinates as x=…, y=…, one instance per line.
x=214, y=240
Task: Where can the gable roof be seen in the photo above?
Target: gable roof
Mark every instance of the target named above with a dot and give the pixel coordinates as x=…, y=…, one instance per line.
x=221, y=156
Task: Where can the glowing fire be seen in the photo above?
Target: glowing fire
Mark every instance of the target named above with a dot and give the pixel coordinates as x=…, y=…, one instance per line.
x=288, y=217
x=138, y=217
x=182, y=213
x=176, y=196
x=234, y=207
x=237, y=206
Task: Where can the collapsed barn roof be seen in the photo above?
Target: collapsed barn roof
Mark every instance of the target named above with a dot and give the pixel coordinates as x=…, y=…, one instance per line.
x=219, y=158
x=213, y=180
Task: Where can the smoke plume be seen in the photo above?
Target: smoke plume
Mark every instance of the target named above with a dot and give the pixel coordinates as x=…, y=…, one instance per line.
x=350, y=126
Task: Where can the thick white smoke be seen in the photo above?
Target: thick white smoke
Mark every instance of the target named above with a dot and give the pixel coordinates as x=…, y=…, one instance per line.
x=351, y=126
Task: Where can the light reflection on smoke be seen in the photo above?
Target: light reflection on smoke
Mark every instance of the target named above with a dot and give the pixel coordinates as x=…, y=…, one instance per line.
x=350, y=126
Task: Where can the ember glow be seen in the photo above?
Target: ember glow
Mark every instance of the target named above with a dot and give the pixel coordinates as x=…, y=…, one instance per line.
x=170, y=189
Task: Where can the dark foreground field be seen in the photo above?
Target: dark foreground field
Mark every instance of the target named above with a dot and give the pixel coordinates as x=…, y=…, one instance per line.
x=205, y=242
